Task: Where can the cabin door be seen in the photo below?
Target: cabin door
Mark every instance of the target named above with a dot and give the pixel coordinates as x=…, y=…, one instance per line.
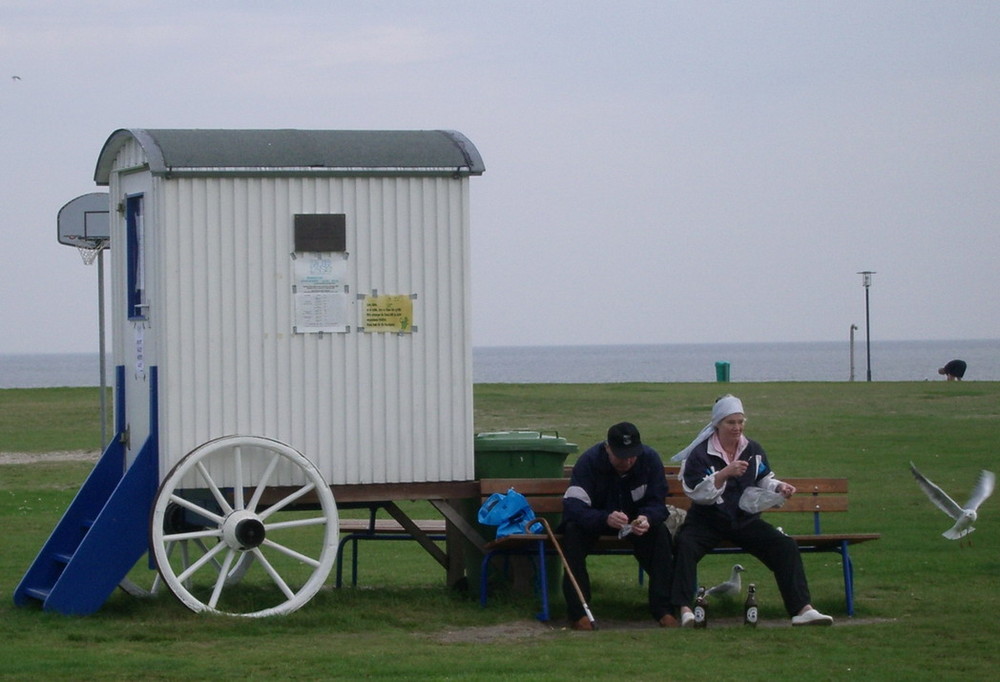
x=140, y=372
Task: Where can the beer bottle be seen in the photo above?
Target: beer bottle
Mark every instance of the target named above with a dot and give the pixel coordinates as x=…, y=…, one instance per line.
x=701, y=609
x=750, y=607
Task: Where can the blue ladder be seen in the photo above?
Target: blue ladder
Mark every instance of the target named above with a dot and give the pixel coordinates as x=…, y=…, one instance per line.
x=99, y=539
x=102, y=534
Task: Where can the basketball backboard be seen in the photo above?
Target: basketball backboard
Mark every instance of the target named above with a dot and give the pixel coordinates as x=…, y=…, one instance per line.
x=84, y=221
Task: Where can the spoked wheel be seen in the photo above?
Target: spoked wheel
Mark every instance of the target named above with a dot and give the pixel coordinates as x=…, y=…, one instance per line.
x=244, y=526
x=145, y=584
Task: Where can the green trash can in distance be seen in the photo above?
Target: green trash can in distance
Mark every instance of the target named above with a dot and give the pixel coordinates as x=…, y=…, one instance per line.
x=722, y=372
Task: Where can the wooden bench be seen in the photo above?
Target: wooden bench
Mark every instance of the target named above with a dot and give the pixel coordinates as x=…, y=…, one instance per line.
x=354, y=530
x=815, y=496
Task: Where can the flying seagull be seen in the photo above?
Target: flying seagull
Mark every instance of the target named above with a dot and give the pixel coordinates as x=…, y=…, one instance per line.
x=16, y=78
x=731, y=587
x=964, y=516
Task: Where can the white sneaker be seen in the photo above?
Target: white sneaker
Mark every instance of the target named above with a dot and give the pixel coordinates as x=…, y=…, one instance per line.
x=812, y=617
x=687, y=619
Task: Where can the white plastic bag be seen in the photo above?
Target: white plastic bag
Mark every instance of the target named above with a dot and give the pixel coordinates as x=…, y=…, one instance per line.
x=755, y=500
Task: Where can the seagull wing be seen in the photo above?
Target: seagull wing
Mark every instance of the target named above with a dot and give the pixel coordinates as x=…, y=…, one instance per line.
x=715, y=589
x=983, y=489
x=936, y=495
x=723, y=589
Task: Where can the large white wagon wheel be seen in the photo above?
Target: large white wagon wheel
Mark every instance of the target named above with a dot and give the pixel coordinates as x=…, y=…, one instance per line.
x=260, y=550
x=137, y=588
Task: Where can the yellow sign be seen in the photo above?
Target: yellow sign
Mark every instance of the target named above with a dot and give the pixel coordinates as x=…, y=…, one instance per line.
x=388, y=314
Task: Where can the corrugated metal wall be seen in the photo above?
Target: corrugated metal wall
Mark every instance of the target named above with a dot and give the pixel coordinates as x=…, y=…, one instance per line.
x=364, y=407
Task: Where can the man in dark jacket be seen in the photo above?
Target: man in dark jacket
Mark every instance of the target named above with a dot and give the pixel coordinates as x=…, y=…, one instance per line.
x=618, y=487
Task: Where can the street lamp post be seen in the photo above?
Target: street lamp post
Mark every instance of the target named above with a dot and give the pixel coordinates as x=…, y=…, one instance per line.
x=866, y=281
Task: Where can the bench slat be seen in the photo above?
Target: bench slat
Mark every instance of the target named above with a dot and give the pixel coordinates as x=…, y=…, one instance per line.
x=390, y=526
x=546, y=505
x=797, y=503
x=545, y=494
x=611, y=542
x=834, y=539
x=802, y=485
x=818, y=485
x=525, y=486
x=557, y=486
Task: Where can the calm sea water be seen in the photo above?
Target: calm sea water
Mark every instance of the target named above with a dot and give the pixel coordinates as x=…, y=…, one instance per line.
x=830, y=361
x=50, y=370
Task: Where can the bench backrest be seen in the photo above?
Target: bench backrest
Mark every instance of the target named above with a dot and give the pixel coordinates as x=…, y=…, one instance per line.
x=545, y=494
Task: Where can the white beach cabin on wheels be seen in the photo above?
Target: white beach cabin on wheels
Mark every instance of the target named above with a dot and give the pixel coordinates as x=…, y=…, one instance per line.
x=290, y=315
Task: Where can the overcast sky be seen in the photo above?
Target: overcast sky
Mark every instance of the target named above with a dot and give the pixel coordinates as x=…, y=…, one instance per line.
x=656, y=172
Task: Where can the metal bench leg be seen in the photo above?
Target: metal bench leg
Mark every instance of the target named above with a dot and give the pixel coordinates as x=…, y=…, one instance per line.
x=354, y=562
x=845, y=560
x=484, y=573
x=340, y=560
x=372, y=513
x=483, y=578
x=543, y=576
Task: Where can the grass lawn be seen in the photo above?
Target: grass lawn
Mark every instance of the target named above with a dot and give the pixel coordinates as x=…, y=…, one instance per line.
x=926, y=607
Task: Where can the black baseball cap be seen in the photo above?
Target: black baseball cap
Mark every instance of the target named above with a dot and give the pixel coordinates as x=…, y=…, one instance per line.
x=624, y=441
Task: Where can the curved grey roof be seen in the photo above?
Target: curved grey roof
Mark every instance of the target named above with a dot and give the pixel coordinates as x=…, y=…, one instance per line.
x=214, y=152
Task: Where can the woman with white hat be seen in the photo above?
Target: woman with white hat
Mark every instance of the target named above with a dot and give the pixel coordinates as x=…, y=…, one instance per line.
x=729, y=481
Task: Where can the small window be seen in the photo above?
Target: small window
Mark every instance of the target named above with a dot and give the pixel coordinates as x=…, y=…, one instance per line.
x=135, y=238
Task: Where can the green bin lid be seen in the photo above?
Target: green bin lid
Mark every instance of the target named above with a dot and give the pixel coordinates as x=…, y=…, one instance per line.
x=520, y=441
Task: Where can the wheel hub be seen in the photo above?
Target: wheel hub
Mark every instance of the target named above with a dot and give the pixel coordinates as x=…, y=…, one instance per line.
x=242, y=530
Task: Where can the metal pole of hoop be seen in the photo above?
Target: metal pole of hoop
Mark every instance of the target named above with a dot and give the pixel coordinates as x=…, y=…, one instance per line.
x=89, y=252
x=103, y=358
x=84, y=222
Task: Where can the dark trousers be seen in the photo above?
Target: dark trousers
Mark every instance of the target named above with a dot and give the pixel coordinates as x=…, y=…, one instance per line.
x=774, y=549
x=653, y=551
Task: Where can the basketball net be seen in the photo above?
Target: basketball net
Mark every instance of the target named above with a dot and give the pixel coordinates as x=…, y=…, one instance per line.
x=89, y=250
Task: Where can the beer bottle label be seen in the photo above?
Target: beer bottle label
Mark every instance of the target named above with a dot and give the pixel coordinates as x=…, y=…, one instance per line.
x=699, y=614
x=752, y=615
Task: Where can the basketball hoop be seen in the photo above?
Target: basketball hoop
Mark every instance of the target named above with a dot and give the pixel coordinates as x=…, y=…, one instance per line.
x=83, y=223
x=89, y=249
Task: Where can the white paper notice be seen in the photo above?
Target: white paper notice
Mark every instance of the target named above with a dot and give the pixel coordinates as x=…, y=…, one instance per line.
x=321, y=299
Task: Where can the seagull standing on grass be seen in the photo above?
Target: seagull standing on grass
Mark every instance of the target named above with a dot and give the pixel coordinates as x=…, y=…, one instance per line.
x=964, y=517
x=731, y=588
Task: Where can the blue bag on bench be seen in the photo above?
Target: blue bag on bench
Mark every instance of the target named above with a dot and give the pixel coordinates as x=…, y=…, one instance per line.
x=510, y=512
